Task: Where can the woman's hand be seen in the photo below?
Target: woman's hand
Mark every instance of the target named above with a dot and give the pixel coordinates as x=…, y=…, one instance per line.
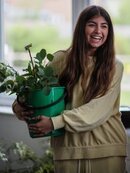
x=43, y=126
x=21, y=112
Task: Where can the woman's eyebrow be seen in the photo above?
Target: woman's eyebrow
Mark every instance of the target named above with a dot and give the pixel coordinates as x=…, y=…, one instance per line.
x=91, y=21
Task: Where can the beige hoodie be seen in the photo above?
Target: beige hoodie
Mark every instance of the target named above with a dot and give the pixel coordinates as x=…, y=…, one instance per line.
x=92, y=130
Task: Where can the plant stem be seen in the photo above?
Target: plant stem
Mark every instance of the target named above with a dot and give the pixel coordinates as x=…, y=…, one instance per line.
x=31, y=59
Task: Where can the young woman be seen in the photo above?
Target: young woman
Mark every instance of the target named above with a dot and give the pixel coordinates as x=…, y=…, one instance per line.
x=95, y=138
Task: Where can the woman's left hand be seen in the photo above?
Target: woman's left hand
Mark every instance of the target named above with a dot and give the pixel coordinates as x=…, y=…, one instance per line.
x=43, y=126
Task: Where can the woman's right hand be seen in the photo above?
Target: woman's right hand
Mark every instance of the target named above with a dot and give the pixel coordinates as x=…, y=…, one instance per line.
x=21, y=112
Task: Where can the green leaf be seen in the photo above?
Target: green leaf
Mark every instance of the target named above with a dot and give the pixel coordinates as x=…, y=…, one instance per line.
x=20, y=80
x=40, y=71
x=53, y=81
x=50, y=57
x=39, y=57
x=2, y=77
x=9, y=85
x=2, y=88
x=48, y=71
x=43, y=53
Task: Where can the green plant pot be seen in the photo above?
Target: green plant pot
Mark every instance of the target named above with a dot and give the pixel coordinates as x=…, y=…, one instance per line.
x=48, y=105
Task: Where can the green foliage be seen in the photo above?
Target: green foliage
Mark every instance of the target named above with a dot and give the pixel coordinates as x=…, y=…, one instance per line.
x=39, y=35
x=5, y=71
x=37, y=75
x=7, y=78
x=124, y=14
x=23, y=151
x=122, y=48
x=3, y=155
x=24, y=154
x=125, y=98
x=47, y=165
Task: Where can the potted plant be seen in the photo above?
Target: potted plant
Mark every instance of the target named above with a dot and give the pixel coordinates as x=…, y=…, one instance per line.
x=37, y=88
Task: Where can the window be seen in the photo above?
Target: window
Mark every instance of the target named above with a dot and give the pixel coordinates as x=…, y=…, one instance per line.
x=43, y=23
x=46, y=24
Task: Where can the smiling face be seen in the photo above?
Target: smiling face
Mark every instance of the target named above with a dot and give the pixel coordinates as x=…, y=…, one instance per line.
x=96, y=32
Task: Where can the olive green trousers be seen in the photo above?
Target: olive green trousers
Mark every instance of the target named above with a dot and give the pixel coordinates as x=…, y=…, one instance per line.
x=102, y=165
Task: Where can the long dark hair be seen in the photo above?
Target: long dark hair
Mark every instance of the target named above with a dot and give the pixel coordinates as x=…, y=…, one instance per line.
x=77, y=61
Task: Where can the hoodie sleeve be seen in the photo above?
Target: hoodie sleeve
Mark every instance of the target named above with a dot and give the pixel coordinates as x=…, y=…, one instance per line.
x=94, y=113
x=58, y=63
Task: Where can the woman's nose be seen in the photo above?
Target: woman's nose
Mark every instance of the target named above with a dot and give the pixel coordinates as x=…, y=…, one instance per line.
x=98, y=29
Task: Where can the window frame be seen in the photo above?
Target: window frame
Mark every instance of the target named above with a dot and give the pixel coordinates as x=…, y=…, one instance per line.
x=77, y=7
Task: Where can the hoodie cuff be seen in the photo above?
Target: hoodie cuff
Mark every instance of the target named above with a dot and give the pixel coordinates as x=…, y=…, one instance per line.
x=58, y=122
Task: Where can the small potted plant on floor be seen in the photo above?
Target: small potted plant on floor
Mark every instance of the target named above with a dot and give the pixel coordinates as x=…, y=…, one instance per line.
x=37, y=88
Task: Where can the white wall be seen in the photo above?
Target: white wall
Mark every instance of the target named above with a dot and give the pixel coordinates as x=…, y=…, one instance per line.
x=13, y=130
